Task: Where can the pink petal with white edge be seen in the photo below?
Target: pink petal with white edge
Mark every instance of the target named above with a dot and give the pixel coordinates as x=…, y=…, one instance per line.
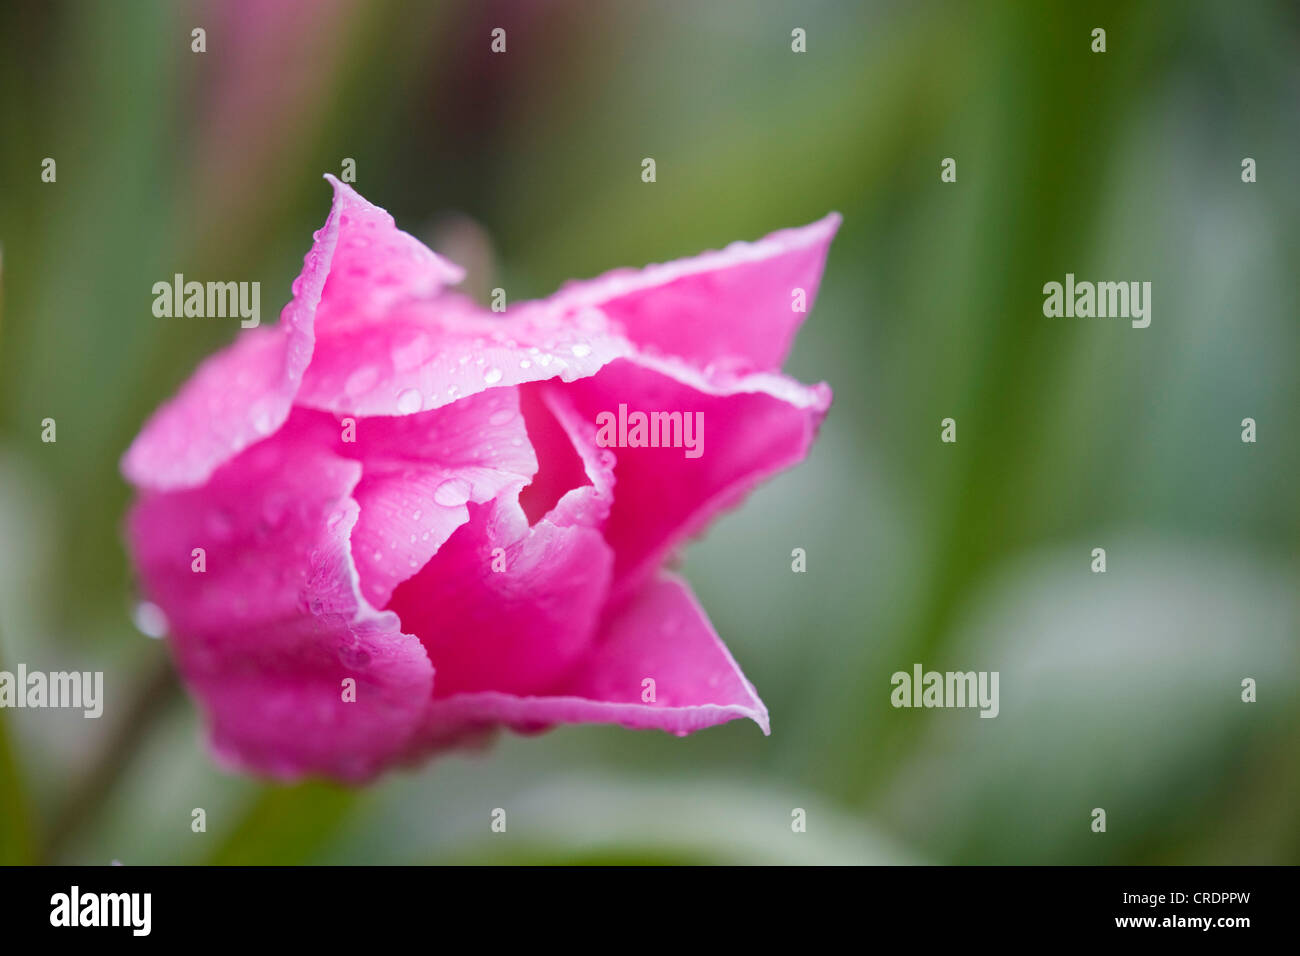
x=426, y=354
x=357, y=267
x=505, y=607
x=754, y=426
x=375, y=266
x=420, y=474
x=235, y=398
x=736, y=304
x=268, y=631
x=661, y=635
x=586, y=502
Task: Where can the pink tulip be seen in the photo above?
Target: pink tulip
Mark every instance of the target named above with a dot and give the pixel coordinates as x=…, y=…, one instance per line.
x=409, y=533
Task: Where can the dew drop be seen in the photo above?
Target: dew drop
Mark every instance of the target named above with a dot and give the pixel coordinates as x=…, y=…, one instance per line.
x=412, y=353
x=409, y=401
x=220, y=525
x=581, y=351
x=501, y=416
x=492, y=376
x=273, y=511
x=362, y=380
x=452, y=493
x=263, y=420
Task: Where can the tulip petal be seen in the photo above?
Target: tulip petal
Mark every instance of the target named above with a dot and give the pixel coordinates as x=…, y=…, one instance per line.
x=425, y=354
x=375, y=266
x=581, y=503
x=235, y=398
x=421, y=472
x=753, y=426
x=358, y=266
x=505, y=607
x=267, y=629
x=739, y=303
x=661, y=635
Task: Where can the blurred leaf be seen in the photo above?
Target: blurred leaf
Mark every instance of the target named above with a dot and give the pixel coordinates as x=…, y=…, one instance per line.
x=287, y=825
x=15, y=822
x=1119, y=690
x=695, y=820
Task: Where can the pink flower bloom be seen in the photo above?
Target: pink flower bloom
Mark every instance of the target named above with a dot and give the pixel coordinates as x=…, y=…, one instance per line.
x=397, y=488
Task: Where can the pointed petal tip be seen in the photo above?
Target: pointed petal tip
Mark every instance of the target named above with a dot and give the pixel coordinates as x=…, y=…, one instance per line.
x=759, y=714
x=819, y=230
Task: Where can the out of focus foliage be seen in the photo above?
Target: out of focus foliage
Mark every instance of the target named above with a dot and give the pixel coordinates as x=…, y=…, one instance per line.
x=1118, y=691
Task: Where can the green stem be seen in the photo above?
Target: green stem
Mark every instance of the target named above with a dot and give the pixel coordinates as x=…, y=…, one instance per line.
x=86, y=800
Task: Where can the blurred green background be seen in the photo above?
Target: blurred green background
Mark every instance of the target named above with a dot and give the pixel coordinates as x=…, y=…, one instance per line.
x=1119, y=691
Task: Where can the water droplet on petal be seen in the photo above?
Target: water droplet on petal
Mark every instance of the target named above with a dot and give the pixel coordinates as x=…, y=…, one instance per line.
x=220, y=525
x=492, y=376
x=273, y=511
x=501, y=416
x=412, y=353
x=263, y=421
x=581, y=351
x=452, y=493
x=409, y=401
x=362, y=380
